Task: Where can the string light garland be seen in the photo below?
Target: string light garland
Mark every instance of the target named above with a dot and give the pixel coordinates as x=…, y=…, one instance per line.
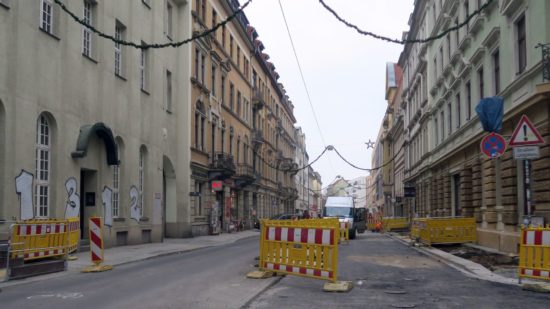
x=154, y=45
x=407, y=41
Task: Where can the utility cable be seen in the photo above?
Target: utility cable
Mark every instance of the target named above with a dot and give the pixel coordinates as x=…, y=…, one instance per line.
x=406, y=41
x=204, y=33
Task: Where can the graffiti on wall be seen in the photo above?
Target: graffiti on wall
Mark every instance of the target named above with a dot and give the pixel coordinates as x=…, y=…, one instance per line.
x=23, y=188
x=134, y=203
x=106, y=197
x=72, y=206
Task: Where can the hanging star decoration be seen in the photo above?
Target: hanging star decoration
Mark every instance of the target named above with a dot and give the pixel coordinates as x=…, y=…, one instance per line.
x=370, y=144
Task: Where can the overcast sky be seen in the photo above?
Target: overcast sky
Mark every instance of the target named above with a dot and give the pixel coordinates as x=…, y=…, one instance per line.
x=344, y=71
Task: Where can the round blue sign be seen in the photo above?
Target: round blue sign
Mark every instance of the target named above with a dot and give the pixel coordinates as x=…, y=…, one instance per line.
x=493, y=145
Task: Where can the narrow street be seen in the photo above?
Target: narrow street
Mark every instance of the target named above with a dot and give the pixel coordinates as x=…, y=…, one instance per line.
x=386, y=273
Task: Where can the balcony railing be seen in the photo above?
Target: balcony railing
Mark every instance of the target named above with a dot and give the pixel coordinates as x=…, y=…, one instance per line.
x=223, y=161
x=245, y=171
x=257, y=136
x=257, y=99
x=545, y=61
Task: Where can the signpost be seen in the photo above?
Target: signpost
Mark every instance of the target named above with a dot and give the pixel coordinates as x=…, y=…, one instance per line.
x=526, y=140
x=493, y=145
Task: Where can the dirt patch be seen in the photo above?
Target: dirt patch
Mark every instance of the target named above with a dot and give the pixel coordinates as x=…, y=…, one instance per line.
x=490, y=260
x=401, y=261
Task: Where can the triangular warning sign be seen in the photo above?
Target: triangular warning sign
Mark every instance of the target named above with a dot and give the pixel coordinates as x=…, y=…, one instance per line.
x=525, y=134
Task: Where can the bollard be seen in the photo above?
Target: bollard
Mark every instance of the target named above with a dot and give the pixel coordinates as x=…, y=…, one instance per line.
x=96, y=247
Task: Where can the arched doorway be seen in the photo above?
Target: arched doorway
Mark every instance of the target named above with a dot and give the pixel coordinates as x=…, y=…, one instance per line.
x=169, y=203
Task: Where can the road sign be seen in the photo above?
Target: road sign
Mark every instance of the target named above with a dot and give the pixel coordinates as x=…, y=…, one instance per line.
x=526, y=134
x=526, y=153
x=493, y=145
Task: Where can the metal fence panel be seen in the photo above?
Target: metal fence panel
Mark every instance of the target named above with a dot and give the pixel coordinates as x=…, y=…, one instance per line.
x=534, y=253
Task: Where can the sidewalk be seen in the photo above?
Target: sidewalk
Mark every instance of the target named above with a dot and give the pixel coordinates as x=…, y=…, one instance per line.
x=133, y=253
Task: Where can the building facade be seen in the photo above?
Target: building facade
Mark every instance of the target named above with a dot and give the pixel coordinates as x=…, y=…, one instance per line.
x=243, y=148
x=94, y=127
x=494, y=54
x=302, y=177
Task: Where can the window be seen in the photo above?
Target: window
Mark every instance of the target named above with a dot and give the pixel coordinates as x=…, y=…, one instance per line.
x=448, y=48
x=119, y=51
x=231, y=142
x=436, y=128
x=86, y=32
x=42, y=182
x=214, y=18
x=496, y=71
x=468, y=100
x=141, y=173
x=222, y=97
x=231, y=96
x=213, y=86
x=231, y=46
x=239, y=103
x=143, y=54
x=449, y=119
x=203, y=10
x=203, y=68
x=238, y=57
x=168, y=91
x=458, y=111
x=197, y=63
x=442, y=124
x=521, y=44
x=466, y=13
x=169, y=20
x=46, y=16
x=441, y=59
x=480, y=81
x=198, y=199
x=197, y=127
x=223, y=36
x=115, y=196
x=222, y=137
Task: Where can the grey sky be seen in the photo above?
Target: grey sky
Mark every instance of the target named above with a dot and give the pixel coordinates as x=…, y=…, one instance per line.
x=344, y=71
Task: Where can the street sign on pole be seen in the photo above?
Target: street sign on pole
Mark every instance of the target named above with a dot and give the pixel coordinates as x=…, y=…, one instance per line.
x=526, y=134
x=526, y=153
x=493, y=145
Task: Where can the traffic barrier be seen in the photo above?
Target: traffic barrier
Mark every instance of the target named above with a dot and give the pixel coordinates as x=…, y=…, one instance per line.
x=96, y=246
x=373, y=222
x=306, y=248
x=443, y=230
x=534, y=253
x=395, y=223
x=38, y=239
x=74, y=234
x=344, y=232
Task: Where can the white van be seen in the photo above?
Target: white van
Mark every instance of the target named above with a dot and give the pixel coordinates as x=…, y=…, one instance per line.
x=342, y=207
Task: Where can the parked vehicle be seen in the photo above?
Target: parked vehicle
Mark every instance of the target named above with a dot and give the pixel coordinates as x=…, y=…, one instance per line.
x=343, y=208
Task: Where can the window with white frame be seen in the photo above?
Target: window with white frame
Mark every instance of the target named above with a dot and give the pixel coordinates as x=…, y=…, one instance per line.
x=141, y=174
x=169, y=19
x=86, y=32
x=168, y=91
x=43, y=164
x=119, y=51
x=46, y=16
x=468, y=100
x=521, y=44
x=115, y=196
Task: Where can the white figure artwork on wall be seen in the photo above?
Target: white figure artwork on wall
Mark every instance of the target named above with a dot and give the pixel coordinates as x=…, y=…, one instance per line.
x=134, y=204
x=106, y=196
x=23, y=188
x=72, y=207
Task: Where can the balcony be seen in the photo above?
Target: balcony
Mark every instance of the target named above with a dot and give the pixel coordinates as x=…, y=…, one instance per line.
x=221, y=166
x=257, y=99
x=289, y=193
x=245, y=175
x=280, y=125
x=257, y=138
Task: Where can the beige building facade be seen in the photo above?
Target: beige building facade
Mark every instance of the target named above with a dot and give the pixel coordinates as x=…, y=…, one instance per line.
x=90, y=127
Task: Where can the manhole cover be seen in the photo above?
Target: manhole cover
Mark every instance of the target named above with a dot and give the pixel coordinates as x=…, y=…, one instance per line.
x=395, y=292
x=403, y=305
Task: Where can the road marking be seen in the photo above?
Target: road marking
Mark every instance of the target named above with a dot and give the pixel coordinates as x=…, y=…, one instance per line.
x=73, y=295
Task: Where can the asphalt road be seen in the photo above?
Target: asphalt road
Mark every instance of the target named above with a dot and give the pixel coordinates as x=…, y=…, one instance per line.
x=388, y=274
x=206, y=278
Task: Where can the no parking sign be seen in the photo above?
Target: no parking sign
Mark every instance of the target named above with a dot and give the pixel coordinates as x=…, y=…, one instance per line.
x=493, y=145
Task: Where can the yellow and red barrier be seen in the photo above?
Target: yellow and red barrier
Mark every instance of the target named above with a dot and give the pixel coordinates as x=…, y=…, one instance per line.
x=395, y=223
x=534, y=253
x=444, y=230
x=307, y=248
x=36, y=239
x=344, y=232
x=74, y=234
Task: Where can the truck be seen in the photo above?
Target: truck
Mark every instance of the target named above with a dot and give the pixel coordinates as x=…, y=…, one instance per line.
x=343, y=208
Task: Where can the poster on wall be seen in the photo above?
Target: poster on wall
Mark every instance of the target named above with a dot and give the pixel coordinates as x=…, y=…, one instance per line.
x=157, y=209
x=23, y=188
x=134, y=205
x=72, y=206
x=107, y=198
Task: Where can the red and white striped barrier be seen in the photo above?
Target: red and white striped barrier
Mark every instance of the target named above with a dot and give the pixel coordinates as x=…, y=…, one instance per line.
x=534, y=254
x=40, y=229
x=96, y=240
x=536, y=238
x=38, y=239
x=301, y=235
x=300, y=270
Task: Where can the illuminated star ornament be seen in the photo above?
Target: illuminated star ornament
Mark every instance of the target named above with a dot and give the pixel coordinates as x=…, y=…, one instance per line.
x=370, y=144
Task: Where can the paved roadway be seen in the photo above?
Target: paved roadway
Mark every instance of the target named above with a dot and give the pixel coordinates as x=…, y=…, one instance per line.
x=386, y=274
x=389, y=274
x=206, y=278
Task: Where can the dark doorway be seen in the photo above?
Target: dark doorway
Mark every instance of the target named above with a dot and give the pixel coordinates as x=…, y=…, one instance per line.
x=456, y=195
x=88, y=199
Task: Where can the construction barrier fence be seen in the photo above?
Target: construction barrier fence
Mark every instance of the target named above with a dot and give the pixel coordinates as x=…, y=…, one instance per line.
x=344, y=232
x=443, y=230
x=307, y=248
x=36, y=239
x=373, y=221
x=534, y=253
x=395, y=223
x=74, y=234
